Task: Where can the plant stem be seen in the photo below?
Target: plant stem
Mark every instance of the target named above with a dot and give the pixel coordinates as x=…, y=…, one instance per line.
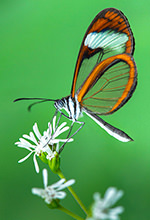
x=60, y=174
x=69, y=213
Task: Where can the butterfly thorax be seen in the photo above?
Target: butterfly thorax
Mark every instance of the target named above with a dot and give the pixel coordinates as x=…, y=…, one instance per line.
x=70, y=105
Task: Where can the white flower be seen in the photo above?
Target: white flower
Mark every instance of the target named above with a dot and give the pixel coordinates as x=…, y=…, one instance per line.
x=101, y=207
x=40, y=144
x=52, y=192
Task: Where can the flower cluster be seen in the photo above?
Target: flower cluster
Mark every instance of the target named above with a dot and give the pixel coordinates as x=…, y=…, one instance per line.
x=47, y=143
x=101, y=209
x=49, y=193
x=46, y=147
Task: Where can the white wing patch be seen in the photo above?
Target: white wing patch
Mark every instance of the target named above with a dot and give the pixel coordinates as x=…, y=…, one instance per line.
x=108, y=39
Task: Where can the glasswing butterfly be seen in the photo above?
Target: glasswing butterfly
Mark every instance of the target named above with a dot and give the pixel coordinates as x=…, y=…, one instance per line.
x=105, y=74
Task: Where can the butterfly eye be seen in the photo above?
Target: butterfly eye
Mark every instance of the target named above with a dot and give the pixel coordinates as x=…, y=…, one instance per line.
x=59, y=104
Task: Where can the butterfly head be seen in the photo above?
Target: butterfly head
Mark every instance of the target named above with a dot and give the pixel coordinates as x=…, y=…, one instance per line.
x=59, y=103
x=65, y=104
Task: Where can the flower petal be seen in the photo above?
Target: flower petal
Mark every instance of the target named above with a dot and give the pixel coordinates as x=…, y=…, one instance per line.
x=28, y=138
x=57, y=147
x=22, y=146
x=116, y=211
x=58, y=184
x=45, y=177
x=119, y=194
x=60, y=195
x=57, y=133
x=54, y=123
x=36, y=164
x=33, y=138
x=66, y=184
x=25, y=158
x=25, y=143
x=38, y=192
x=97, y=196
x=112, y=196
x=55, y=141
x=36, y=131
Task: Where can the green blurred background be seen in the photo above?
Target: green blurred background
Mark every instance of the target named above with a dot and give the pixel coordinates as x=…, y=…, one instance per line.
x=39, y=44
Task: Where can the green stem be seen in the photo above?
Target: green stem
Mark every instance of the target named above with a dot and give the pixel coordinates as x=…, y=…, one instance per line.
x=60, y=174
x=69, y=213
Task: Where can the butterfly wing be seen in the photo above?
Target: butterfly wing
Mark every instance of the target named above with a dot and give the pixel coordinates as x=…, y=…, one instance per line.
x=110, y=85
x=108, y=34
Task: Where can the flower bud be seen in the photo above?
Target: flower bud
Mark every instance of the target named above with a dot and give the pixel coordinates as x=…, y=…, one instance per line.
x=54, y=163
x=54, y=204
x=42, y=156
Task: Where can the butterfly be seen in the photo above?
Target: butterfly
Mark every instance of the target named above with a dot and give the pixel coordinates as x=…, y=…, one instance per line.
x=105, y=75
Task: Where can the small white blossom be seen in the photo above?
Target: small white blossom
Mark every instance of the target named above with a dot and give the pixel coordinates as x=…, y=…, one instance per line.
x=101, y=208
x=52, y=192
x=40, y=144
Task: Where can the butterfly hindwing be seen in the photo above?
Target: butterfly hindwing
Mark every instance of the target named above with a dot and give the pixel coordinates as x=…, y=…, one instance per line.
x=110, y=85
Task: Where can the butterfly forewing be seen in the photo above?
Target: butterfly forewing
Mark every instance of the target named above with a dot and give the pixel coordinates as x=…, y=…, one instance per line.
x=110, y=85
x=109, y=34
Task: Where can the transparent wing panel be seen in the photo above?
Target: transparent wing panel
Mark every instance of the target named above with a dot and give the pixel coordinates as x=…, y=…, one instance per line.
x=108, y=89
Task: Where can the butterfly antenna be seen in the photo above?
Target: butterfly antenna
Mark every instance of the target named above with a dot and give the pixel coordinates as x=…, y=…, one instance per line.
x=31, y=105
x=34, y=103
x=20, y=99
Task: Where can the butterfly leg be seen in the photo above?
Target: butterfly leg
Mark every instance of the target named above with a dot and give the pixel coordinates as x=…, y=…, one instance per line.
x=79, y=122
x=55, y=114
x=63, y=113
x=115, y=132
x=70, y=130
x=58, y=121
